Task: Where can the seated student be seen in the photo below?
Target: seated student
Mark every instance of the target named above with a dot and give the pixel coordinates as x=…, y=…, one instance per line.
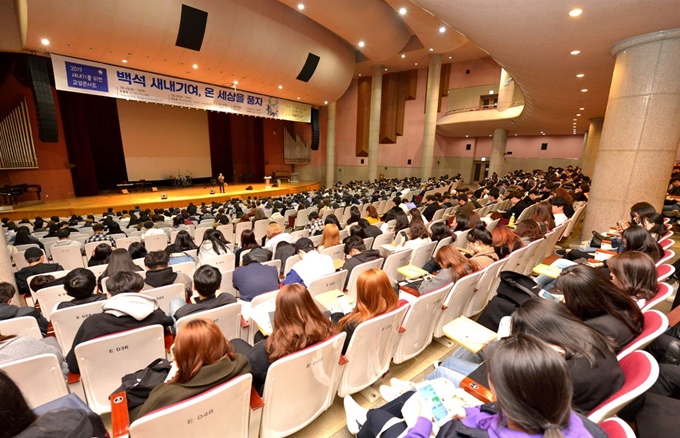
x=356, y=254
x=248, y=243
x=375, y=296
x=298, y=324
x=207, y=280
x=453, y=266
x=561, y=209
x=9, y=311
x=253, y=278
x=595, y=372
x=480, y=243
x=204, y=359
x=80, y=284
x=119, y=261
x=312, y=266
x=35, y=259
x=159, y=273
x=505, y=241
x=595, y=300
x=99, y=235
x=329, y=237
x=634, y=273
x=518, y=205
x=137, y=250
x=417, y=237
x=542, y=214
x=100, y=255
x=64, y=240
x=528, y=230
x=529, y=379
x=214, y=244
x=149, y=230
x=275, y=235
x=18, y=419
x=315, y=225
x=368, y=230
x=125, y=309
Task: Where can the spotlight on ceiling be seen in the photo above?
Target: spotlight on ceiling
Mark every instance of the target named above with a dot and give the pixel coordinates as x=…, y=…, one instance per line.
x=362, y=44
x=575, y=12
x=45, y=42
x=402, y=11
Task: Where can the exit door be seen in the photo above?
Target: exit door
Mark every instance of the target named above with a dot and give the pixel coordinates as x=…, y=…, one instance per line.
x=481, y=171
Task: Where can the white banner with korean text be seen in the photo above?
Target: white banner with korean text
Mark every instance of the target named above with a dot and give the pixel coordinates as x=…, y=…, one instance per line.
x=81, y=76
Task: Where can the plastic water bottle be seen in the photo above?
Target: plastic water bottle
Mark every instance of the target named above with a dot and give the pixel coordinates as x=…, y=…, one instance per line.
x=512, y=220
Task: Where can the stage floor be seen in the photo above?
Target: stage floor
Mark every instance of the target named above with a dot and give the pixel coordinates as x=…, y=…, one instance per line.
x=177, y=197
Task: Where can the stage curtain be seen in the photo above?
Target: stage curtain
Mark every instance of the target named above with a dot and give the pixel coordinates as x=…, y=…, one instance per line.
x=93, y=142
x=219, y=130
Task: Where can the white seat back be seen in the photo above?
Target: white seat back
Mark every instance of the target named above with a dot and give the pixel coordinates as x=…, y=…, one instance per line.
x=290, y=261
x=66, y=322
x=422, y=254
x=48, y=297
x=357, y=271
x=165, y=294
x=295, y=235
x=97, y=270
x=316, y=240
x=223, y=262
x=227, y=284
x=223, y=408
x=186, y=268
x=198, y=235
x=419, y=324
x=20, y=257
x=456, y=300
x=260, y=230
x=248, y=334
x=335, y=251
x=89, y=247
x=104, y=361
x=438, y=214
x=485, y=288
x=67, y=256
x=241, y=226
x=156, y=242
x=368, y=242
x=370, y=351
x=395, y=261
x=300, y=387
x=21, y=326
x=125, y=242
x=38, y=377
x=513, y=261
x=493, y=224
x=228, y=233
x=382, y=239
x=227, y=318
x=461, y=240
x=275, y=263
x=441, y=244
x=334, y=281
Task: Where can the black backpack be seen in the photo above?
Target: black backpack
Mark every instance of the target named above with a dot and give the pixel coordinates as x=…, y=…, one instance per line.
x=513, y=290
x=138, y=385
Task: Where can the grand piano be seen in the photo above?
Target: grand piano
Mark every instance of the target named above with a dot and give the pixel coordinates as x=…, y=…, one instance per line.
x=11, y=193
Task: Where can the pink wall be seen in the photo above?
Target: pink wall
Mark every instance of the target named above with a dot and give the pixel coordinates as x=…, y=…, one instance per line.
x=559, y=146
x=482, y=71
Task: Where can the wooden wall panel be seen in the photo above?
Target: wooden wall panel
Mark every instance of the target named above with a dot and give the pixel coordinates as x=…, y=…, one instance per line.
x=363, y=116
x=389, y=105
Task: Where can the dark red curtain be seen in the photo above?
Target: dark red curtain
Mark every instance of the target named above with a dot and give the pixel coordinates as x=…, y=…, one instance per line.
x=93, y=142
x=219, y=130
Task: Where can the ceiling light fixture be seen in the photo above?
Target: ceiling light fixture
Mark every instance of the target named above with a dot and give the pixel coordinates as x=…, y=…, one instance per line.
x=431, y=49
x=124, y=61
x=362, y=44
x=575, y=52
x=301, y=6
x=298, y=98
x=575, y=12
x=403, y=55
x=416, y=63
x=580, y=75
x=359, y=74
x=195, y=66
x=442, y=29
x=585, y=90
x=280, y=87
x=402, y=11
x=385, y=69
x=581, y=109
x=325, y=102
x=450, y=57
x=45, y=42
x=578, y=115
x=235, y=82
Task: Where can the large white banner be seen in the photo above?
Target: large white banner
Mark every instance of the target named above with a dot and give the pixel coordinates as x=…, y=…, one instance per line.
x=81, y=76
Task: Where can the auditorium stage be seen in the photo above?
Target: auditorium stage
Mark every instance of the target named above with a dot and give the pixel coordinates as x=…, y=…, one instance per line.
x=177, y=197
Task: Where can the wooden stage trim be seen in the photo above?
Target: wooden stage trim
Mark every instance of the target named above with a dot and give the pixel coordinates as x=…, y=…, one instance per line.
x=177, y=197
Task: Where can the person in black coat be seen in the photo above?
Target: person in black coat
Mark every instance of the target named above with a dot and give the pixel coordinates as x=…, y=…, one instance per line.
x=518, y=205
x=358, y=254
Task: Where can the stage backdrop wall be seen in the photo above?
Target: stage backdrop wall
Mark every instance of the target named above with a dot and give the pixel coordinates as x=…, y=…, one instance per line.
x=160, y=141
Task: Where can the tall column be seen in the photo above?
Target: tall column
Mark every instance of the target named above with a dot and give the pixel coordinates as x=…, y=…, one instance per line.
x=374, y=122
x=640, y=134
x=431, y=103
x=6, y=273
x=330, y=146
x=497, y=160
x=592, y=146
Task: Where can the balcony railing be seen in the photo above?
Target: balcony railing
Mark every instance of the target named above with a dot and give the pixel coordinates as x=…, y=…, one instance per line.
x=481, y=108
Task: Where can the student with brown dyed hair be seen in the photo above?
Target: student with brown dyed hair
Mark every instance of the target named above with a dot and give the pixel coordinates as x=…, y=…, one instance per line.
x=505, y=241
x=634, y=272
x=543, y=215
x=375, y=296
x=204, y=360
x=330, y=237
x=298, y=324
x=372, y=215
x=454, y=266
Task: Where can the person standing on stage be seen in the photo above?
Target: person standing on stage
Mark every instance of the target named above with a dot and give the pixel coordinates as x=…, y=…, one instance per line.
x=220, y=182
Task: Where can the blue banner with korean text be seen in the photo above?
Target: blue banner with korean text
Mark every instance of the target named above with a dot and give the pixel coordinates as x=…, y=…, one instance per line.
x=90, y=77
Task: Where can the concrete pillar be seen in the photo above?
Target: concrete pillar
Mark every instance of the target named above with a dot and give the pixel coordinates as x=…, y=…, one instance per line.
x=374, y=122
x=6, y=272
x=592, y=145
x=498, y=144
x=431, y=103
x=641, y=132
x=330, y=146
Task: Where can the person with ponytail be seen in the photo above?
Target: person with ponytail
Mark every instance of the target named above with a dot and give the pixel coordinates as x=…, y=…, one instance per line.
x=530, y=381
x=480, y=242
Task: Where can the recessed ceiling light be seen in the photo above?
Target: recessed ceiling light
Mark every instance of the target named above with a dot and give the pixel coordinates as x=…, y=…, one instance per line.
x=280, y=87
x=466, y=136
x=385, y=69
x=45, y=42
x=580, y=75
x=450, y=57
x=575, y=52
x=581, y=109
x=442, y=29
x=402, y=11
x=584, y=90
x=362, y=44
x=490, y=135
x=301, y=6
x=431, y=49
x=359, y=74
x=574, y=119
x=578, y=115
x=515, y=135
x=403, y=55
x=575, y=12
x=235, y=82
x=416, y=63
x=195, y=66
x=298, y=98
x=325, y=102
x=124, y=61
